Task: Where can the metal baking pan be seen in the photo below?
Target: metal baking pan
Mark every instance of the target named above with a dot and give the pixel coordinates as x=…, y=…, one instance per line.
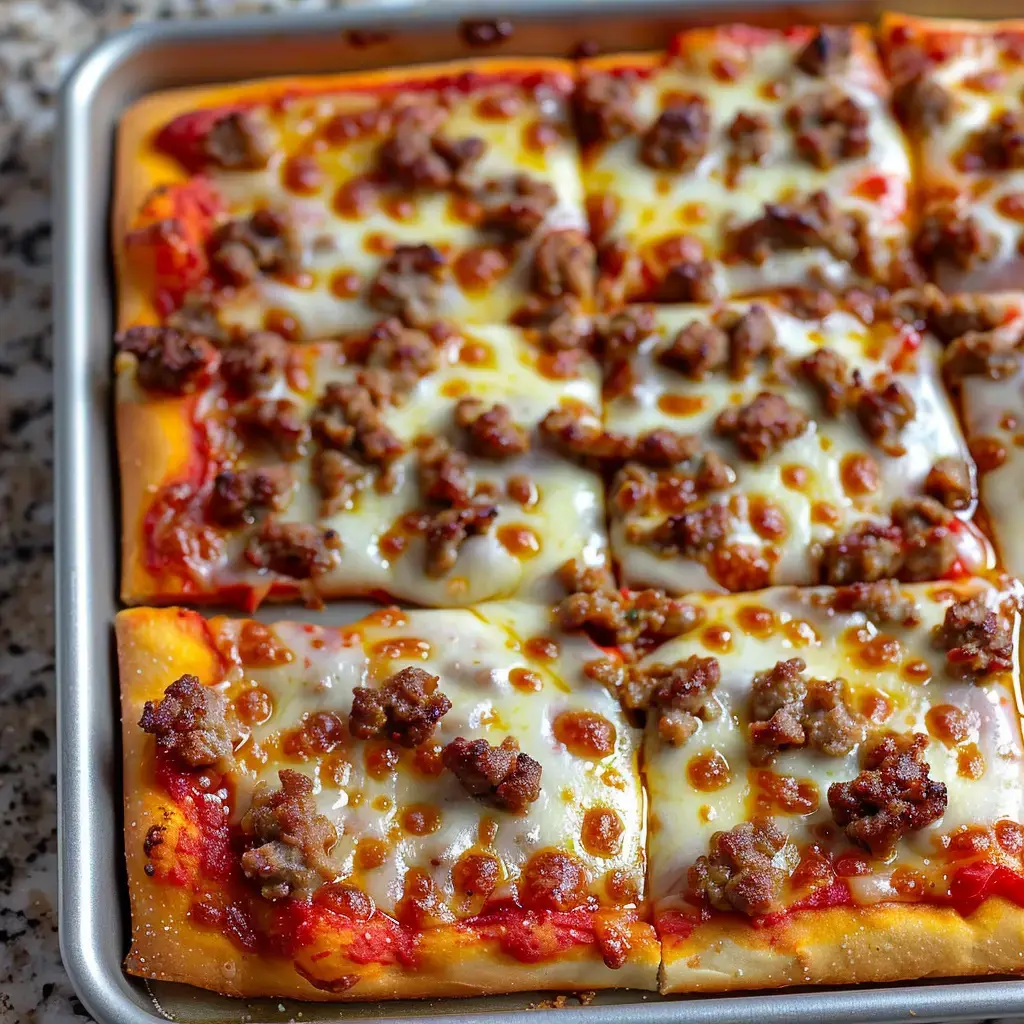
x=94, y=919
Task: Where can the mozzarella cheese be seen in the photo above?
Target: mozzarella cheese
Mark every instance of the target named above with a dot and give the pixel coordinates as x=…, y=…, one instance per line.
x=819, y=452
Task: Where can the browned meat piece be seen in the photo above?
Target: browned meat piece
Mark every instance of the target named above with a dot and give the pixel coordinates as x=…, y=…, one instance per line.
x=949, y=483
x=339, y=478
x=950, y=239
x=929, y=543
x=279, y=421
x=618, y=336
x=751, y=136
x=410, y=284
x=976, y=639
x=605, y=109
x=405, y=710
x=299, y=550
x=831, y=726
x=190, y=721
x=491, y=432
x=949, y=317
x=254, y=363
x=739, y=873
x=418, y=160
x=578, y=577
x=761, y=427
x=681, y=693
x=827, y=53
x=662, y=448
x=679, y=137
x=407, y=354
x=829, y=127
x=812, y=223
x=689, y=281
x=883, y=413
x=883, y=602
x=577, y=435
x=869, y=552
x=515, y=206
x=999, y=146
x=565, y=264
x=501, y=776
x=981, y=355
x=829, y=375
x=444, y=474
x=348, y=418
x=198, y=315
x=692, y=534
x=751, y=336
x=922, y=104
x=894, y=794
x=243, y=250
x=697, y=350
x=561, y=327
x=170, y=361
x=239, y=496
x=449, y=530
x=295, y=840
x=238, y=141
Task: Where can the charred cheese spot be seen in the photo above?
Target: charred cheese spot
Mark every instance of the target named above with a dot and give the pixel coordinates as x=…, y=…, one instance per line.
x=380, y=759
x=784, y=793
x=916, y=671
x=621, y=887
x=520, y=541
x=875, y=706
x=767, y=519
x=948, y=723
x=795, y=477
x=254, y=706
x=553, y=880
x=880, y=651
x=602, y=832
x=346, y=284
x=486, y=831
x=1010, y=836
x=258, y=646
x=302, y=175
x=421, y=819
x=708, y=771
x=585, y=734
x=970, y=762
x=860, y=474
x=717, y=638
x=757, y=621
x=525, y=680
x=402, y=647
x=345, y=900
x=427, y=760
x=475, y=876
x=319, y=733
x=371, y=854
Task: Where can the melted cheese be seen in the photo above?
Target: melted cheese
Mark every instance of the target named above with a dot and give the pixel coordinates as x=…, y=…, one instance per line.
x=474, y=653
x=702, y=202
x=819, y=451
x=683, y=819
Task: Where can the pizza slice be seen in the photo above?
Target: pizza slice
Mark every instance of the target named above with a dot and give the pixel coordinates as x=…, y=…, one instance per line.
x=742, y=160
x=772, y=441
x=957, y=88
x=835, y=790
x=311, y=205
x=395, y=463
x=418, y=804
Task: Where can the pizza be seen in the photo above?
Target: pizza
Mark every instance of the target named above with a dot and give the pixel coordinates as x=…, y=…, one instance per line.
x=744, y=159
x=397, y=463
x=834, y=781
x=768, y=442
x=421, y=803
x=957, y=87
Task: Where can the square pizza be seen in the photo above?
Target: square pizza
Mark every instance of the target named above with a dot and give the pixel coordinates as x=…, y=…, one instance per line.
x=394, y=463
x=308, y=206
x=958, y=89
x=767, y=441
x=421, y=803
x=834, y=778
x=743, y=159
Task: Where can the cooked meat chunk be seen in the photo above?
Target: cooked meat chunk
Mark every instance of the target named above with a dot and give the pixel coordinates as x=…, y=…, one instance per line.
x=883, y=413
x=444, y=474
x=565, y=264
x=238, y=141
x=405, y=710
x=827, y=52
x=516, y=206
x=949, y=317
x=922, y=104
x=829, y=127
x=618, y=336
x=191, y=722
x=578, y=434
x=689, y=280
x=295, y=840
x=929, y=543
x=264, y=243
x=349, y=419
x=449, y=530
x=278, y=421
x=501, y=776
x=254, y=363
x=761, y=427
x=883, y=602
x=948, y=238
x=751, y=336
x=692, y=534
x=561, y=328
x=418, y=160
x=894, y=794
x=491, y=432
x=339, y=478
x=170, y=361
x=812, y=223
x=299, y=550
x=679, y=137
x=697, y=350
x=740, y=872
x=981, y=355
x=404, y=352
x=680, y=694
x=869, y=552
x=578, y=577
x=829, y=374
x=976, y=639
x=410, y=284
x=663, y=448
x=751, y=136
x=605, y=109
x=949, y=483
x=198, y=314
x=239, y=496
x=999, y=146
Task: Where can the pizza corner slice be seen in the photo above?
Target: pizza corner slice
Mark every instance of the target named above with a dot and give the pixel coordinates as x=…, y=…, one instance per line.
x=957, y=89
x=396, y=462
x=310, y=205
x=792, y=440
x=418, y=804
x=835, y=786
x=744, y=159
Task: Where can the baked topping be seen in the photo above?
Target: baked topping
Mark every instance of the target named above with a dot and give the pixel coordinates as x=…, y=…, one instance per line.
x=750, y=133
x=190, y=721
x=243, y=250
x=885, y=411
x=277, y=421
x=491, y=433
x=410, y=284
x=448, y=530
x=762, y=427
x=299, y=550
x=405, y=710
x=828, y=373
x=254, y=363
x=922, y=104
x=681, y=694
x=238, y=141
x=999, y=146
x=949, y=483
x=565, y=264
x=516, y=206
x=679, y=137
x=170, y=361
x=501, y=776
x=829, y=127
x=986, y=354
x=949, y=238
x=827, y=52
x=976, y=639
x=418, y=160
x=883, y=602
x=240, y=496
x=892, y=796
x=605, y=110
